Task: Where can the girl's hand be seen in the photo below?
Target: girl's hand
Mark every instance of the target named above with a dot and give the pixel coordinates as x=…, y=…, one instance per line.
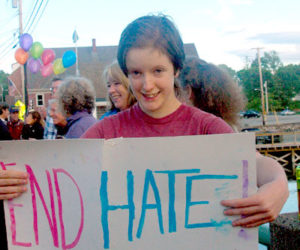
x=257, y=209
x=12, y=183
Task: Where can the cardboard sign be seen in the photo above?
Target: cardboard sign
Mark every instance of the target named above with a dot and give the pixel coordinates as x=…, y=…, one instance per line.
x=133, y=193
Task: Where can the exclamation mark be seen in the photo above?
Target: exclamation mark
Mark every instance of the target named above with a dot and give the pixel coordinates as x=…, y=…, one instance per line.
x=242, y=232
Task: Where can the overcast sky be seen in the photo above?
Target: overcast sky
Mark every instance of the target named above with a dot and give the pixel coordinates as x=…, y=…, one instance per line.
x=224, y=31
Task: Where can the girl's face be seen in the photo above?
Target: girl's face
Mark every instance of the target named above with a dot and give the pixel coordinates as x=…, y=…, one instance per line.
x=118, y=93
x=151, y=75
x=29, y=119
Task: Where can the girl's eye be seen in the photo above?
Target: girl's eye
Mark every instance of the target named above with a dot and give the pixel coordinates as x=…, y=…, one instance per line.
x=158, y=71
x=134, y=73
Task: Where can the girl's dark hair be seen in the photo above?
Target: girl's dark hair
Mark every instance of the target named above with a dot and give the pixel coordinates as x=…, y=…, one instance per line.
x=152, y=31
x=213, y=90
x=36, y=116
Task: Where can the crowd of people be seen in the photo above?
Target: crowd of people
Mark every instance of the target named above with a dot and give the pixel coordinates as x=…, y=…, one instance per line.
x=153, y=90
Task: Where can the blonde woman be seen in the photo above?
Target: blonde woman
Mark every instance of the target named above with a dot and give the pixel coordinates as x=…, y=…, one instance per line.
x=119, y=95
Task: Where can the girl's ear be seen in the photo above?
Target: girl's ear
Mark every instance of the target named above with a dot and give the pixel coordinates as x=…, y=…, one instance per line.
x=177, y=73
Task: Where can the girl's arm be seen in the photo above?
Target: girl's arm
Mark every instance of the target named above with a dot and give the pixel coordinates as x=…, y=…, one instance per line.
x=266, y=204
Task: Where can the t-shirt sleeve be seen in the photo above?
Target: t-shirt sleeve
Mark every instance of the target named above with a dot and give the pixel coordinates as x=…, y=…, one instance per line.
x=219, y=126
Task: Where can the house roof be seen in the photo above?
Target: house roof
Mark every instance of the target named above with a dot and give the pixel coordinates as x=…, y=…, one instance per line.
x=91, y=63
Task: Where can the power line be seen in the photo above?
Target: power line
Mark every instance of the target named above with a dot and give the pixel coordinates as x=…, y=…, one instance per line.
x=34, y=16
x=8, y=20
x=40, y=16
x=28, y=20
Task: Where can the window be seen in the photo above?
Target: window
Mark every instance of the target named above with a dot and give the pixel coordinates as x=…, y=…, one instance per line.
x=39, y=100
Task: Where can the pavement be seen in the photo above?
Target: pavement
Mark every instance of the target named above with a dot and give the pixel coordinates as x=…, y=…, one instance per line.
x=271, y=120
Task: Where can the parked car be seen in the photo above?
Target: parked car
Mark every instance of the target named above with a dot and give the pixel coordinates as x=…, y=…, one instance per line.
x=251, y=113
x=263, y=139
x=287, y=112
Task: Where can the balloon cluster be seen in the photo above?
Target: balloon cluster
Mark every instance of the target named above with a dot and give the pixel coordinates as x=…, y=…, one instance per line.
x=41, y=59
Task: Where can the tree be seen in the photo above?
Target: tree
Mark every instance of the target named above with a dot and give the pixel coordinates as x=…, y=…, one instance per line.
x=270, y=61
x=283, y=82
x=3, y=85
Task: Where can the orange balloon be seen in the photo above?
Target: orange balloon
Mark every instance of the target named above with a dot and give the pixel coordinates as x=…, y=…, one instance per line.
x=21, y=56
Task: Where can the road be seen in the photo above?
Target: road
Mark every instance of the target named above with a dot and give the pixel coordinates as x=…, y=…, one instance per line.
x=270, y=120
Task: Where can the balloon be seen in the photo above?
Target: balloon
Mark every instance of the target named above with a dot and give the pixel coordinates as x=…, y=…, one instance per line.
x=47, y=70
x=69, y=58
x=21, y=56
x=48, y=56
x=25, y=41
x=58, y=67
x=36, y=50
x=34, y=65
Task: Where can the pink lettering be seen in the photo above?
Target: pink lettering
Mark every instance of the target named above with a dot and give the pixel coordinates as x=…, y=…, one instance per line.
x=3, y=166
x=62, y=226
x=11, y=209
x=52, y=223
x=11, y=206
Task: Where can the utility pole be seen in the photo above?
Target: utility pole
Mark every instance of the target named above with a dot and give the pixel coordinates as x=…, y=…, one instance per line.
x=267, y=98
x=261, y=88
x=23, y=67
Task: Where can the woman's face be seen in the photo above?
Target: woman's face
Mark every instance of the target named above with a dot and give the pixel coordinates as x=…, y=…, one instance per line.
x=151, y=75
x=118, y=93
x=29, y=120
x=58, y=118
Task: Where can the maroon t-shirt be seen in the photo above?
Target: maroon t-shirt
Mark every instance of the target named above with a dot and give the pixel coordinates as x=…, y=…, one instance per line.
x=133, y=122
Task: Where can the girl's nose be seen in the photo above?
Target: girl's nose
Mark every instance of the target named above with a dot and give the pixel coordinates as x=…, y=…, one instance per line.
x=147, y=82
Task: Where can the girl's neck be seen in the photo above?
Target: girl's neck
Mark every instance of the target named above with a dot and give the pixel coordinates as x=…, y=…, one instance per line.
x=167, y=110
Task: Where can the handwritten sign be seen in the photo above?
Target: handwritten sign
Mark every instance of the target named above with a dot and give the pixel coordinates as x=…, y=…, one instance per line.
x=135, y=193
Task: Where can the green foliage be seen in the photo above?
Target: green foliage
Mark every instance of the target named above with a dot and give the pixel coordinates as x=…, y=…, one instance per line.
x=3, y=85
x=283, y=82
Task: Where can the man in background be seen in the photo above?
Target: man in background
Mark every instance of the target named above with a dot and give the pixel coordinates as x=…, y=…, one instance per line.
x=50, y=130
x=15, y=125
x=4, y=113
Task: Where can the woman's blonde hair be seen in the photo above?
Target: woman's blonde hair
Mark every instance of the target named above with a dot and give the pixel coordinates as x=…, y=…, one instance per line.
x=114, y=71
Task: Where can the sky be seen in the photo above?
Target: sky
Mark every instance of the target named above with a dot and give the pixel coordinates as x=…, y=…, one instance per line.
x=223, y=31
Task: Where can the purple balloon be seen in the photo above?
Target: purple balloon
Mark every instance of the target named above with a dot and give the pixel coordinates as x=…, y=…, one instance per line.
x=34, y=65
x=26, y=41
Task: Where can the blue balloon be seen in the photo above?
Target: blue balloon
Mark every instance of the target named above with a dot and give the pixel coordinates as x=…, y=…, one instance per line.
x=69, y=58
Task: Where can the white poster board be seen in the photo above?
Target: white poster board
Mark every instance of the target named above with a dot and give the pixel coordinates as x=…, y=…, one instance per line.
x=142, y=193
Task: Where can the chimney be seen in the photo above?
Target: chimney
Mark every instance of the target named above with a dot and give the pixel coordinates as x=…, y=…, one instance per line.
x=94, y=45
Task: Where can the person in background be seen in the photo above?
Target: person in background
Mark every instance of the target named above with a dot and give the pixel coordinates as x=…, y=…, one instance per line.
x=34, y=127
x=50, y=130
x=76, y=98
x=211, y=89
x=119, y=95
x=15, y=125
x=4, y=113
x=59, y=120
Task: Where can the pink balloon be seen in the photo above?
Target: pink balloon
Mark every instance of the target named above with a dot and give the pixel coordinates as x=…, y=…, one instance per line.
x=48, y=56
x=47, y=70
